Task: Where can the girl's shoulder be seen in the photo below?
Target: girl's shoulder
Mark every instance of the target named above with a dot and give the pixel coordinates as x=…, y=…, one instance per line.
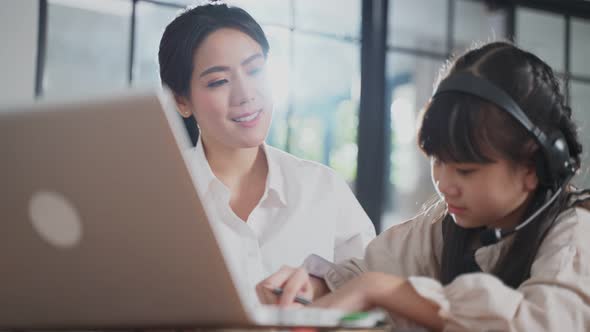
x=565, y=250
x=425, y=226
x=572, y=228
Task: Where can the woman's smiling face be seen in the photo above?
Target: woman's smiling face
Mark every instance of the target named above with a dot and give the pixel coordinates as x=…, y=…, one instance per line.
x=229, y=93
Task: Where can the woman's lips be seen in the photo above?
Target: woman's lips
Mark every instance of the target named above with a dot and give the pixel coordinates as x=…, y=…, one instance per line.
x=249, y=119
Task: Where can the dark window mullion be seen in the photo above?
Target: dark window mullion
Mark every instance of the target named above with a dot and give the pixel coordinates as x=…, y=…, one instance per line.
x=41, y=48
x=511, y=22
x=567, y=64
x=373, y=131
x=132, y=41
x=579, y=79
x=290, y=98
x=450, y=26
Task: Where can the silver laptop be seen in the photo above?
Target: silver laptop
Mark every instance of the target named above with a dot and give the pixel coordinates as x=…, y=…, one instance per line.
x=102, y=226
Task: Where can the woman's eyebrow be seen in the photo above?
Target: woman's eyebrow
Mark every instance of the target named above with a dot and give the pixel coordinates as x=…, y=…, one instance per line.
x=251, y=58
x=216, y=69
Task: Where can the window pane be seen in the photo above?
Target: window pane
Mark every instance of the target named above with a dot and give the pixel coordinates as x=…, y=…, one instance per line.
x=580, y=47
x=266, y=11
x=151, y=22
x=410, y=25
x=279, y=73
x=542, y=33
x=339, y=17
x=87, y=47
x=475, y=23
x=263, y=11
x=409, y=86
x=324, y=122
x=580, y=99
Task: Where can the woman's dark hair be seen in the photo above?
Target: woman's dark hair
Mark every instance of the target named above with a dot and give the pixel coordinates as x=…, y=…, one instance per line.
x=458, y=127
x=184, y=35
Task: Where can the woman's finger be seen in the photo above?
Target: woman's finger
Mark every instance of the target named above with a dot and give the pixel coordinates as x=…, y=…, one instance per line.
x=298, y=284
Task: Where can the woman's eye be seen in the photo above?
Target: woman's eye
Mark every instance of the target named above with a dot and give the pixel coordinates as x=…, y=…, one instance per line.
x=255, y=71
x=217, y=83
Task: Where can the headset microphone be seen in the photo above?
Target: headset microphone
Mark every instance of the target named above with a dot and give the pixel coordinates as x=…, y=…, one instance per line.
x=494, y=235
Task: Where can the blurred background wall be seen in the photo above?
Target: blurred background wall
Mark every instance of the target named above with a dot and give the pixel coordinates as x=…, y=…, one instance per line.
x=349, y=76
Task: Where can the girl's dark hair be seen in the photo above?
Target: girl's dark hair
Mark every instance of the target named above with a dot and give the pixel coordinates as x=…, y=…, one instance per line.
x=458, y=127
x=184, y=35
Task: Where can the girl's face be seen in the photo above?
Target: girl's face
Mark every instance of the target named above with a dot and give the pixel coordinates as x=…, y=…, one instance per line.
x=229, y=94
x=492, y=195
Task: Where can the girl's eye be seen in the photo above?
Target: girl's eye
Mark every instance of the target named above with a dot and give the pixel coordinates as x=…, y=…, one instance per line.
x=465, y=171
x=217, y=83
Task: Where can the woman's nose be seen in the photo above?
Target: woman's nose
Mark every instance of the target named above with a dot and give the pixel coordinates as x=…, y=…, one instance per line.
x=243, y=92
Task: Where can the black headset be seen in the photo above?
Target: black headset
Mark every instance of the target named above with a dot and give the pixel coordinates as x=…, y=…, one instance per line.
x=557, y=166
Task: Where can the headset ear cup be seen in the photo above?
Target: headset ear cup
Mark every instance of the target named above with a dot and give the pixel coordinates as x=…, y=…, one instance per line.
x=561, y=162
x=543, y=171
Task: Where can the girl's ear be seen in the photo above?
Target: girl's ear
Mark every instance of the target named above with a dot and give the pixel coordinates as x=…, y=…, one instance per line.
x=530, y=178
x=184, y=106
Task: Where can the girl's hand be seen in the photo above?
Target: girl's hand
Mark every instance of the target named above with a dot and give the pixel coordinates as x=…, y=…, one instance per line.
x=359, y=293
x=392, y=293
x=293, y=281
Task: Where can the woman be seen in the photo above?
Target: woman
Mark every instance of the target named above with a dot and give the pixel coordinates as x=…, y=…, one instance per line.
x=269, y=208
x=506, y=248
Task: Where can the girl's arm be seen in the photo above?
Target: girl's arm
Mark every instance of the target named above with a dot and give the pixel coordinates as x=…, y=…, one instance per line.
x=397, y=296
x=319, y=287
x=392, y=293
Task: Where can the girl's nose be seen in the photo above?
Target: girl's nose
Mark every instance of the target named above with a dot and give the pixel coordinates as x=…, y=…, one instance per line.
x=447, y=188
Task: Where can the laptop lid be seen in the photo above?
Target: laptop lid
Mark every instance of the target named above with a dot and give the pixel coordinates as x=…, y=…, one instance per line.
x=101, y=222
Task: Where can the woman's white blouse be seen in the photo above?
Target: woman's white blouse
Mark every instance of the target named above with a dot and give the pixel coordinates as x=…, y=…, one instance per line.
x=305, y=209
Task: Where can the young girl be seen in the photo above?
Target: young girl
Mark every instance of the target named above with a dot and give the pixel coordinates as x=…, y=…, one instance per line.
x=506, y=247
x=268, y=208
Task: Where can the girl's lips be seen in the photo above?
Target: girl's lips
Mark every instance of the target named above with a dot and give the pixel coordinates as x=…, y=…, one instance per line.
x=455, y=209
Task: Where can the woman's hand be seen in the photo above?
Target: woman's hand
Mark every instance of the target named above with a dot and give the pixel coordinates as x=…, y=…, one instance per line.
x=293, y=281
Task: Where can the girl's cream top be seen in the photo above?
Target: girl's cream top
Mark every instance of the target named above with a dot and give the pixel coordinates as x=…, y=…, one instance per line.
x=556, y=297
